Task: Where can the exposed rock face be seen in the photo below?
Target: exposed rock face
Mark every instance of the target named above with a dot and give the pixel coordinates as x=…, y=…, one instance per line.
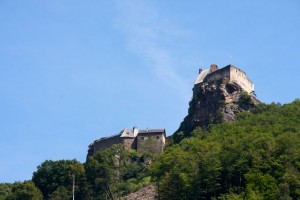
x=215, y=102
x=146, y=193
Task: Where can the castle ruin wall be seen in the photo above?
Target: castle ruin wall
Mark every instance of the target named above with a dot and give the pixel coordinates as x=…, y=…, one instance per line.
x=129, y=143
x=106, y=142
x=240, y=77
x=233, y=74
x=152, y=142
x=217, y=75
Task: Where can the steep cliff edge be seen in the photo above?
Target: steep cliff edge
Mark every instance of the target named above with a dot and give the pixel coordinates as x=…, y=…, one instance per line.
x=218, y=96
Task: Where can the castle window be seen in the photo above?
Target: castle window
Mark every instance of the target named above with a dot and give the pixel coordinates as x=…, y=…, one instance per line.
x=142, y=138
x=157, y=137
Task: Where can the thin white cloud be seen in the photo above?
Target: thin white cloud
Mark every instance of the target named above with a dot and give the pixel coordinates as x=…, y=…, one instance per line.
x=148, y=34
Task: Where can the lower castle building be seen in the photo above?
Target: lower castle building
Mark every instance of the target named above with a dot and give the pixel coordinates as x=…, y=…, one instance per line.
x=152, y=140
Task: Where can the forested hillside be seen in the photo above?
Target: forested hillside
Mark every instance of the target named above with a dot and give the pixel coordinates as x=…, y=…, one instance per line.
x=256, y=157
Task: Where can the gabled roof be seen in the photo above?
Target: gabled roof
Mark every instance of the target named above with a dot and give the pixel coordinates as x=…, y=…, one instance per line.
x=127, y=133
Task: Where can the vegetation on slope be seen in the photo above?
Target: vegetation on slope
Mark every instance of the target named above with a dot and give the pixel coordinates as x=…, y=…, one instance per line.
x=55, y=179
x=20, y=191
x=257, y=157
x=116, y=171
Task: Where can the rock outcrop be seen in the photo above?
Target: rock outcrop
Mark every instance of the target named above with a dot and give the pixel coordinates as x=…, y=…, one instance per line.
x=217, y=100
x=145, y=193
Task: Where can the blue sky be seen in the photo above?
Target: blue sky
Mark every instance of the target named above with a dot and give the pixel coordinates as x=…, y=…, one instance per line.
x=74, y=71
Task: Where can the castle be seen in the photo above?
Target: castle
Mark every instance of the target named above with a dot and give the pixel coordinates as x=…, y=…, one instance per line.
x=212, y=87
x=230, y=72
x=218, y=96
x=152, y=140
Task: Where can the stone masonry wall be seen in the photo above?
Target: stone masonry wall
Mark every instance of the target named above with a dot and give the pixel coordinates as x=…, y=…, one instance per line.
x=217, y=75
x=234, y=74
x=240, y=77
x=103, y=143
x=152, y=142
x=129, y=143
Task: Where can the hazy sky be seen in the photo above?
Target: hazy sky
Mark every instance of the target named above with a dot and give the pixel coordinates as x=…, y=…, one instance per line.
x=73, y=71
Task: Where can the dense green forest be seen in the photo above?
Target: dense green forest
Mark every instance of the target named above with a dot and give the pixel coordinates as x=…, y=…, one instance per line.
x=257, y=157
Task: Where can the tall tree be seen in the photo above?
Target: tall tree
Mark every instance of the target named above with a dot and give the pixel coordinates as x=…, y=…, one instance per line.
x=51, y=175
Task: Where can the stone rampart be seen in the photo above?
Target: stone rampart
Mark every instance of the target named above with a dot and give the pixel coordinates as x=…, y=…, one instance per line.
x=217, y=75
x=240, y=77
x=233, y=74
x=129, y=143
x=152, y=142
x=104, y=143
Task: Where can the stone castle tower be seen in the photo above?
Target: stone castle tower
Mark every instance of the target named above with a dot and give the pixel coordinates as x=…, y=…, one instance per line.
x=218, y=95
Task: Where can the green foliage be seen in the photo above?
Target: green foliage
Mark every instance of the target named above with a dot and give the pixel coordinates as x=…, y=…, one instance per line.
x=283, y=192
x=217, y=117
x=245, y=101
x=189, y=170
x=258, y=157
x=5, y=190
x=150, y=144
x=263, y=184
x=116, y=171
x=230, y=196
x=61, y=193
x=25, y=191
x=51, y=175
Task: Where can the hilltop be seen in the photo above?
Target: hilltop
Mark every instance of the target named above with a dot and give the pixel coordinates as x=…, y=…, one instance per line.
x=218, y=96
x=229, y=146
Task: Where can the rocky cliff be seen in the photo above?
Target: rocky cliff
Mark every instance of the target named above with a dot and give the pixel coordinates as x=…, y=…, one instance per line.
x=215, y=102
